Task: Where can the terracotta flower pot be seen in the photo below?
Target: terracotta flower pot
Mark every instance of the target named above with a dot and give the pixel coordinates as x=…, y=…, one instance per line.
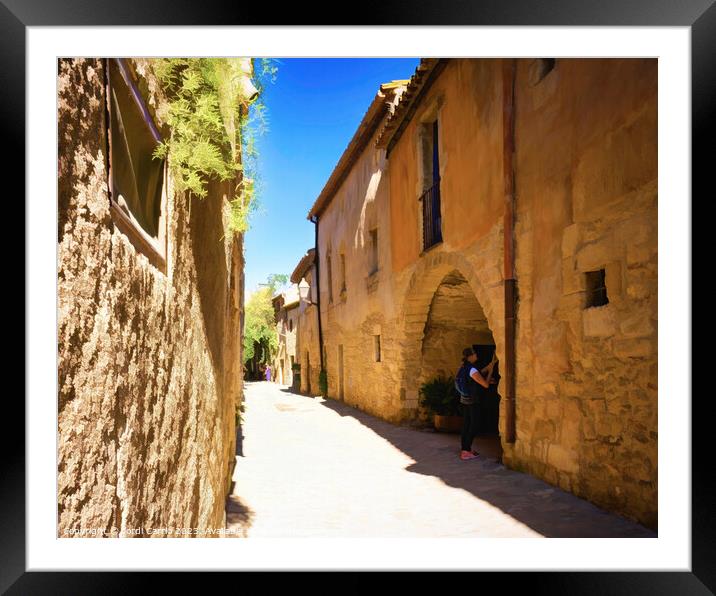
x=448, y=424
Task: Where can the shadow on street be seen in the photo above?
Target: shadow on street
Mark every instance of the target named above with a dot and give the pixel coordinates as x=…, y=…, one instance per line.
x=239, y=517
x=543, y=507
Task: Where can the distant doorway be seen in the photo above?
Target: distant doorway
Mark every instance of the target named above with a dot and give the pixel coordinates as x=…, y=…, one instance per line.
x=341, y=391
x=489, y=404
x=308, y=374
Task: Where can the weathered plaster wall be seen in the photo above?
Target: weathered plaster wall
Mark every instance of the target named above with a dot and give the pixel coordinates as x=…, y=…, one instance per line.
x=281, y=364
x=291, y=329
x=586, y=175
x=395, y=303
x=148, y=364
x=307, y=341
x=367, y=308
x=586, y=199
x=467, y=100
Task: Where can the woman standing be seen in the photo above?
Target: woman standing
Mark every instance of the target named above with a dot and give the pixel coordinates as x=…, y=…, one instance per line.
x=468, y=403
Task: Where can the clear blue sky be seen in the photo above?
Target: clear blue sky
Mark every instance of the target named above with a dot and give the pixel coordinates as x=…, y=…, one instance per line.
x=313, y=110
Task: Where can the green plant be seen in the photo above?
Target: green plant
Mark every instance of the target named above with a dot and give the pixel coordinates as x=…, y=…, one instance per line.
x=254, y=125
x=239, y=410
x=323, y=382
x=260, y=334
x=276, y=281
x=440, y=397
x=213, y=127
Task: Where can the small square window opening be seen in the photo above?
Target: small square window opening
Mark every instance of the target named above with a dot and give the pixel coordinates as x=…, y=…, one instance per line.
x=596, y=288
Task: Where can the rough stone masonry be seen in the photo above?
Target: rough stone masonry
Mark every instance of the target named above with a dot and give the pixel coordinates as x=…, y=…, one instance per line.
x=148, y=368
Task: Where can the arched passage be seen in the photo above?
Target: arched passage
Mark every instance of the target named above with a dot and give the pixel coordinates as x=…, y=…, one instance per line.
x=446, y=309
x=455, y=320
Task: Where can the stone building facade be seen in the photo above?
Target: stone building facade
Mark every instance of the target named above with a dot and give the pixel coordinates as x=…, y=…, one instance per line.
x=412, y=252
x=307, y=334
x=285, y=307
x=150, y=299
x=359, y=312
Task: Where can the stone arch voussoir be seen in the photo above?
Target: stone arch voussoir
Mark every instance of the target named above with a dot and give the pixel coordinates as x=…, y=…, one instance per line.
x=417, y=299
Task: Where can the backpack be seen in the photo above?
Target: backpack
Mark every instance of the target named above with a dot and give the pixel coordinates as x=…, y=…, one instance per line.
x=462, y=379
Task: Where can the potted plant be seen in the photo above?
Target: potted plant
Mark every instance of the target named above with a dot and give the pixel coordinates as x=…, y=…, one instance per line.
x=441, y=399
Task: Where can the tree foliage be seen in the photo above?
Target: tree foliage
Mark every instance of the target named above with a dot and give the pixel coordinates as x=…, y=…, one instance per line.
x=259, y=324
x=277, y=280
x=260, y=327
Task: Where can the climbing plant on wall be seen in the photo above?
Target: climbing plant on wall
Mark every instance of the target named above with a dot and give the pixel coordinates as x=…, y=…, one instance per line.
x=213, y=126
x=254, y=125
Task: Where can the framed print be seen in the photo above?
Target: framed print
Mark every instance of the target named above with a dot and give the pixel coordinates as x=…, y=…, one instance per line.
x=136, y=117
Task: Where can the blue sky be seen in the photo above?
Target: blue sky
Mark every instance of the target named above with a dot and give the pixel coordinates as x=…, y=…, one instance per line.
x=313, y=109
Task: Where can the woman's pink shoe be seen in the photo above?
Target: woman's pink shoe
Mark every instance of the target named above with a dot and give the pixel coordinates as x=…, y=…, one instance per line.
x=465, y=455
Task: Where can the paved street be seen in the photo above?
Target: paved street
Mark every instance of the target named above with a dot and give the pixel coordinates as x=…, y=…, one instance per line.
x=309, y=467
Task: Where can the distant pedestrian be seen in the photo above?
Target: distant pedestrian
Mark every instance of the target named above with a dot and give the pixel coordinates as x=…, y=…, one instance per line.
x=268, y=372
x=468, y=380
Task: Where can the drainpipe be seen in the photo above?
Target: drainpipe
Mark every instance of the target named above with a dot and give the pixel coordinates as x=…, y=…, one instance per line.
x=509, y=68
x=314, y=221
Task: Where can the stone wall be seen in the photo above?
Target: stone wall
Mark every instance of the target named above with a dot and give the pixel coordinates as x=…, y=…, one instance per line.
x=291, y=328
x=367, y=308
x=421, y=350
x=148, y=363
x=307, y=341
x=586, y=385
x=287, y=322
x=455, y=321
x=586, y=173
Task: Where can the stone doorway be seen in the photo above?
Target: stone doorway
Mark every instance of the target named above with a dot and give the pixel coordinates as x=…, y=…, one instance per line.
x=341, y=380
x=308, y=373
x=456, y=320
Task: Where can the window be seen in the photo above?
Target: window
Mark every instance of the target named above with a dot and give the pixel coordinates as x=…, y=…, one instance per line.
x=343, y=273
x=329, y=269
x=136, y=178
x=430, y=199
x=376, y=348
x=596, y=288
x=373, y=266
x=341, y=379
x=308, y=373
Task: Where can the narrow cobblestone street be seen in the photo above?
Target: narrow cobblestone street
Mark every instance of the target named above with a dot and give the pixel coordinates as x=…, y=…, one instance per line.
x=309, y=467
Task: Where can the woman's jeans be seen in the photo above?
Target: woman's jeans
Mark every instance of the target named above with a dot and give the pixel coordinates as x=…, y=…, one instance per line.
x=469, y=425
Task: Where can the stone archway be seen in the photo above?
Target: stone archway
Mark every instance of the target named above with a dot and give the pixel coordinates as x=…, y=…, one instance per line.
x=455, y=320
x=437, y=277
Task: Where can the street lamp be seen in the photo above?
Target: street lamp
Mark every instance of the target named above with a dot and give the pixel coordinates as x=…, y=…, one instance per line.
x=303, y=292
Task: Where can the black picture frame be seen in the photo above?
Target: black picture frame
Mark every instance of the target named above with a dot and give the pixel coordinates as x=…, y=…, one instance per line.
x=699, y=15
